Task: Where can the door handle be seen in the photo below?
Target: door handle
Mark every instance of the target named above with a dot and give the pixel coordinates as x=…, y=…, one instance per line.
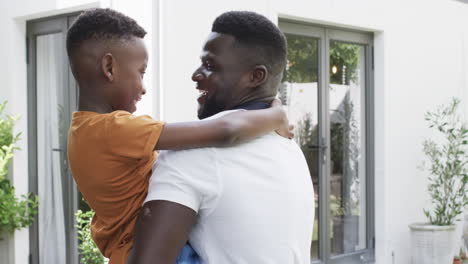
x=65, y=160
x=317, y=147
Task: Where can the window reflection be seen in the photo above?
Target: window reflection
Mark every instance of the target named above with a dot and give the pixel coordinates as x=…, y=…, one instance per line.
x=347, y=148
x=299, y=94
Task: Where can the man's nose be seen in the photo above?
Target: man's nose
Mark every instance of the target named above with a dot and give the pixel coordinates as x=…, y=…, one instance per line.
x=197, y=76
x=143, y=90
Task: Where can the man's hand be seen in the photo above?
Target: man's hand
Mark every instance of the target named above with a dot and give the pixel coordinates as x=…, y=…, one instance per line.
x=161, y=231
x=286, y=130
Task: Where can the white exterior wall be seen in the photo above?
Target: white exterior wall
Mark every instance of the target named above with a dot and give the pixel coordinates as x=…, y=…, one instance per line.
x=424, y=68
x=421, y=60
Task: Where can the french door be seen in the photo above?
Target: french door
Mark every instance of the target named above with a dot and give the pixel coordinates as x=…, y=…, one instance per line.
x=52, y=97
x=327, y=91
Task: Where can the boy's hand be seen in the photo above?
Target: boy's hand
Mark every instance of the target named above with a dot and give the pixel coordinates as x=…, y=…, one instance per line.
x=286, y=130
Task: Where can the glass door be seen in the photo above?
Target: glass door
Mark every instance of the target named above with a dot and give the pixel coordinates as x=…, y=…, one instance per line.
x=51, y=99
x=299, y=93
x=326, y=90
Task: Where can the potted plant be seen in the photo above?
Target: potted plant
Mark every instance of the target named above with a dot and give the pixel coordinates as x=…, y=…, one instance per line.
x=434, y=242
x=15, y=212
x=462, y=255
x=465, y=233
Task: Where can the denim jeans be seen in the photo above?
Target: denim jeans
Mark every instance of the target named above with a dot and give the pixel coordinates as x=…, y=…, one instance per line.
x=188, y=256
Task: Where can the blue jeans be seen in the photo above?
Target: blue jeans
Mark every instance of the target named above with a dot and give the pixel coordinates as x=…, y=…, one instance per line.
x=188, y=256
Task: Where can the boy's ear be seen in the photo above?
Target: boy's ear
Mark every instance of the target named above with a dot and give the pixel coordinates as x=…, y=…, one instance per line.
x=108, y=66
x=258, y=76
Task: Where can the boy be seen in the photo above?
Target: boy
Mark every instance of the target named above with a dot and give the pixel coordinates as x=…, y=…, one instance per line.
x=111, y=151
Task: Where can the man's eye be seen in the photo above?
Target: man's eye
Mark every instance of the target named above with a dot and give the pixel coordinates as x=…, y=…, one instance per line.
x=209, y=66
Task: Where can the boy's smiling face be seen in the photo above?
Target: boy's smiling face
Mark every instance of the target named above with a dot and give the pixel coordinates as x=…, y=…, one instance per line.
x=124, y=67
x=108, y=59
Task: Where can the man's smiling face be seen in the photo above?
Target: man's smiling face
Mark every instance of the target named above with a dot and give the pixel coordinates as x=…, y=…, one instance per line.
x=221, y=78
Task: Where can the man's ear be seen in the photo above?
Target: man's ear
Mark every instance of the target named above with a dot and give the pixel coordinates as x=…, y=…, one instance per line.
x=108, y=66
x=258, y=76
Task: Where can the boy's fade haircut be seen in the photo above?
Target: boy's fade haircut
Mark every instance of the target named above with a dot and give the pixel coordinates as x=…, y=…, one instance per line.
x=101, y=24
x=257, y=32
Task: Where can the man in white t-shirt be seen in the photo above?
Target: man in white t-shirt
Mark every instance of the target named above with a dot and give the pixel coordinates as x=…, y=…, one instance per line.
x=252, y=203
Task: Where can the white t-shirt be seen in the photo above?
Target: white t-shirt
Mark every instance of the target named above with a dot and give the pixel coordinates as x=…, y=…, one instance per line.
x=255, y=201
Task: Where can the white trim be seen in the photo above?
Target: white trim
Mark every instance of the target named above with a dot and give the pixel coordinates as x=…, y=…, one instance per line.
x=60, y=11
x=383, y=246
x=297, y=19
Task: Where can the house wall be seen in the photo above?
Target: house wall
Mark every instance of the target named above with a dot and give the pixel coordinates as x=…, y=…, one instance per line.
x=425, y=68
x=421, y=60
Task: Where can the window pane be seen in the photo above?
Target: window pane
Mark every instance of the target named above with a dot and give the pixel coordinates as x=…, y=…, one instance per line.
x=347, y=148
x=299, y=93
x=51, y=137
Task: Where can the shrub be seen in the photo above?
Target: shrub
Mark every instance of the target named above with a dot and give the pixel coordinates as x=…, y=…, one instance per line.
x=89, y=252
x=15, y=213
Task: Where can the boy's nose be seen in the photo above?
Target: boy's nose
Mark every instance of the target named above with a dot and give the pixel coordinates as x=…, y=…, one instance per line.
x=143, y=90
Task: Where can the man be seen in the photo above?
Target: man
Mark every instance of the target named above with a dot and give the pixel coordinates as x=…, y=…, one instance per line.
x=252, y=203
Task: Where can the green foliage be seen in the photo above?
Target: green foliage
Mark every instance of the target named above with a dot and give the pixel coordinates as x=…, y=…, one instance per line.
x=346, y=147
x=7, y=140
x=335, y=206
x=15, y=213
x=448, y=165
x=307, y=133
x=89, y=252
x=302, y=59
x=346, y=58
x=306, y=136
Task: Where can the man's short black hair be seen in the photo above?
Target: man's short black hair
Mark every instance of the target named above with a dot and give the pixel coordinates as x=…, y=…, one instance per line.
x=258, y=32
x=102, y=24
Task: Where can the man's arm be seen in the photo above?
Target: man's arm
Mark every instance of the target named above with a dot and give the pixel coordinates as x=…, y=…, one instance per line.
x=228, y=130
x=161, y=231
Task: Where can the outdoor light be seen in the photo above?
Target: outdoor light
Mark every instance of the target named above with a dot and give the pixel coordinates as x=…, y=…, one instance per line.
x=334, y=69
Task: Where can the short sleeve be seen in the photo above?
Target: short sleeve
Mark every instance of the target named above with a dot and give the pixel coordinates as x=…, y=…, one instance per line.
x=186, y=177
x=132, y=136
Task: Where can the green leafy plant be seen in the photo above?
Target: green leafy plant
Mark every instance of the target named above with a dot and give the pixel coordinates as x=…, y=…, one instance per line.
x=89, y=252
x=303, y=58
x=462, y=254
x=448, y=165
x=302, y=66
x=15, y=213
x=345, y=57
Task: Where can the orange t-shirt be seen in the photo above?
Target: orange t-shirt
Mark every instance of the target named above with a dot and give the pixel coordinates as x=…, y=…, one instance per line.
x=111, y=156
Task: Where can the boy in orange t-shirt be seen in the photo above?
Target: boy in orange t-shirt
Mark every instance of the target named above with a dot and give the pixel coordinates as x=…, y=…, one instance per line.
x=111, y=151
